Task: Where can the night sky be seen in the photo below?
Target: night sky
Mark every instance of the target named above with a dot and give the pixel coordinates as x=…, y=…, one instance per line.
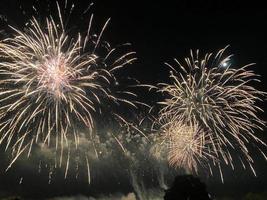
x=158, y=31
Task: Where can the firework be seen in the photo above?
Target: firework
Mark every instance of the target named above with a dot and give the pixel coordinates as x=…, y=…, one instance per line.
x=210, y=95
x=52, y=84
x=184, y=146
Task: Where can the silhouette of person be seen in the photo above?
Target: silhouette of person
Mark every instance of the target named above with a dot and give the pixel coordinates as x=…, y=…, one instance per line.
x=187, y=187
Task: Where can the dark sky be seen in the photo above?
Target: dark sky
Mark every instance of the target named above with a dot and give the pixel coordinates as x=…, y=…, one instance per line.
x=160, y=31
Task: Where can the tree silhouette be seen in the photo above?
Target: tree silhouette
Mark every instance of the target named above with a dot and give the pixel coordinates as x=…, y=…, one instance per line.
x=187, y=187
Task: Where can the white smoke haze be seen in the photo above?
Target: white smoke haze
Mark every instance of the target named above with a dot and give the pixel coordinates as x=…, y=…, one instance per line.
x=135, y=166
x=151, y=194
x=130, y=196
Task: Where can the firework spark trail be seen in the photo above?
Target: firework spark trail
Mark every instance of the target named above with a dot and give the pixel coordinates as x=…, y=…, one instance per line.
x=208, y=94
x=52, y=84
